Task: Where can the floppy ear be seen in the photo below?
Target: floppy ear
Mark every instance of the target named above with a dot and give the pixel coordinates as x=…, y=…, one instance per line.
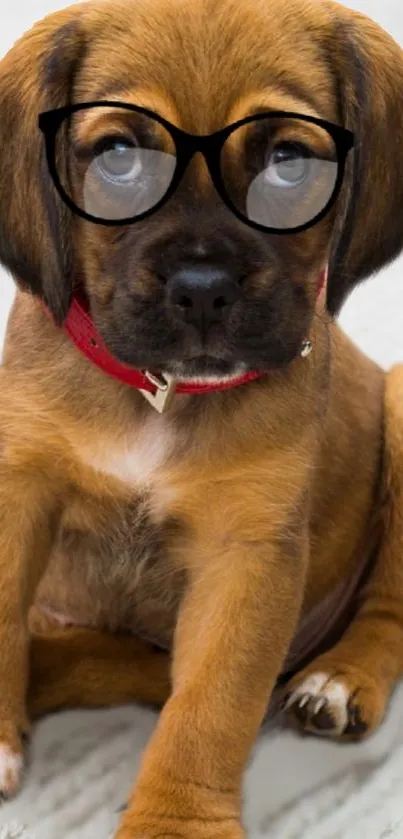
x=369, y=73
x=35, y=227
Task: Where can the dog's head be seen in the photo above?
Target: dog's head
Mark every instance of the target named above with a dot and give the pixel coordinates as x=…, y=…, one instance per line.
x=192, y=288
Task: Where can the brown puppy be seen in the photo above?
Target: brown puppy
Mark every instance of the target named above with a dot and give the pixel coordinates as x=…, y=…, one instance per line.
x=215, y=530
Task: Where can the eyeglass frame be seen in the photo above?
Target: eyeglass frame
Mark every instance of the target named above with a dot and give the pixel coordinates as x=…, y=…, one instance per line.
x=186, y=145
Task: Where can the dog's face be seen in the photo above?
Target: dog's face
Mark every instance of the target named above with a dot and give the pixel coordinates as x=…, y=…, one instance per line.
x=191, y=289
x=132, y=271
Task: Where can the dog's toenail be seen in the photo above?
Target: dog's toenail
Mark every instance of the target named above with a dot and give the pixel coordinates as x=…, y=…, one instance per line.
x=301, y=713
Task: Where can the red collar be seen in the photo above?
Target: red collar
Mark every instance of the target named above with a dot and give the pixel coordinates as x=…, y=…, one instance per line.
x=81, y=329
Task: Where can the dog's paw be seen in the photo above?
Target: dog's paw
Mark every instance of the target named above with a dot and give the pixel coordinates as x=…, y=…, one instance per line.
x=338, y=702
x=11, y=769
x=13, y=742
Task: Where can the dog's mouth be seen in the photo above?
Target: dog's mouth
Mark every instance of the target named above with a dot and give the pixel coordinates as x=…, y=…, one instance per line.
x=262, y=332
x=204, y=367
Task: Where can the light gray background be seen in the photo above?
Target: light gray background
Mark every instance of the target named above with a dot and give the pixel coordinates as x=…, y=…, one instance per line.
x=83, y=763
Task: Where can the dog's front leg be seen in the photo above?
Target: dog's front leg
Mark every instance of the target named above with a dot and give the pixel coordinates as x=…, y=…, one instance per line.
x=234, y=630
x=27, y=522
x=344, y=693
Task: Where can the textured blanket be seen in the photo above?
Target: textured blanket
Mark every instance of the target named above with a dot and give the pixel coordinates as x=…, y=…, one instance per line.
x=83, y=764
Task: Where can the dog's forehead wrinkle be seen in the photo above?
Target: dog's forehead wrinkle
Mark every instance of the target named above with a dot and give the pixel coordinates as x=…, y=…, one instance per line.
x=155, y=45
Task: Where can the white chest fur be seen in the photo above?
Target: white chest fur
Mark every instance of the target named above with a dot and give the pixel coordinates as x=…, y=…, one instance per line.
x=139, y=460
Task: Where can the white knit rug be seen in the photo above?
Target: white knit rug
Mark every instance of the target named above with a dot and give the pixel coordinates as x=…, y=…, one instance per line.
x=83, y=764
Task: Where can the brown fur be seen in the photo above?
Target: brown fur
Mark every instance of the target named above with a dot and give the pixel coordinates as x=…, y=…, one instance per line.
x=268, y=495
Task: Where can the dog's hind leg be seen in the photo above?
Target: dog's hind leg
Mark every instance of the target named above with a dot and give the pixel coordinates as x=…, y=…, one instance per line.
x=344, y=693
x=73, y=667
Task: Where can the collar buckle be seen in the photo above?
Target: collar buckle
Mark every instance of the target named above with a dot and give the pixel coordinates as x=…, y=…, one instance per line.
x=165, y=385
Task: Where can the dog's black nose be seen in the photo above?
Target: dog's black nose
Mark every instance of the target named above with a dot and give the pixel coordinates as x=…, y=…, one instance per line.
x=203, y=295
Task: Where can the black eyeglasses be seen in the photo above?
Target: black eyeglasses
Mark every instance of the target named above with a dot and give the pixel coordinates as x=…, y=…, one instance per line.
x=114, y=163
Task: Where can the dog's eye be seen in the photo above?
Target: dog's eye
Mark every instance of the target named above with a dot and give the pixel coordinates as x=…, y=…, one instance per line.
x=118, y=160
x=288, y=165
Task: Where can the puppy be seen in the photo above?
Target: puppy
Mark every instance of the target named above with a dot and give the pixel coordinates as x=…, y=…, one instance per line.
x=201, y=477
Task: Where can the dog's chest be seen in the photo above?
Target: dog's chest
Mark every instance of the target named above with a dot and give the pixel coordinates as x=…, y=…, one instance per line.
x=113, y=565
x=138, y=460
